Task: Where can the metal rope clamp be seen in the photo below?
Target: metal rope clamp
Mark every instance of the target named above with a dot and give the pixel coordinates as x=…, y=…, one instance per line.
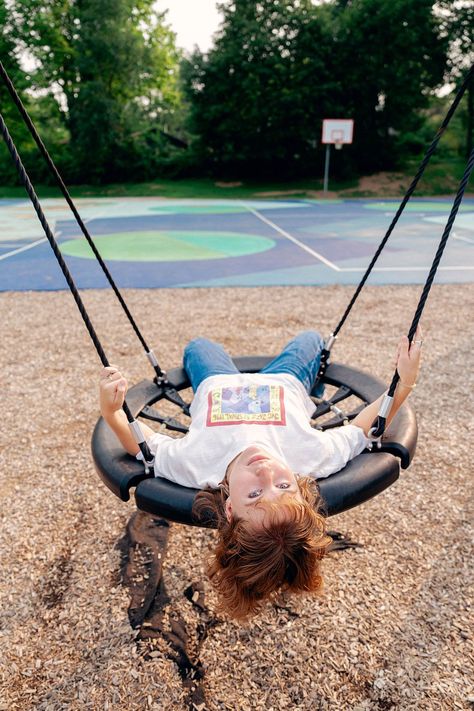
x=378, y=428
x=140, y=440
x=325, y=353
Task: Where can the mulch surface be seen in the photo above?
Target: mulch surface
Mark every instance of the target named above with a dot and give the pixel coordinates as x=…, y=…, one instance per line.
x=393, y=629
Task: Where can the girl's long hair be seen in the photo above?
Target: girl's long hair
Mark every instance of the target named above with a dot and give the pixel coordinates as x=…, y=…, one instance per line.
x=252, y=563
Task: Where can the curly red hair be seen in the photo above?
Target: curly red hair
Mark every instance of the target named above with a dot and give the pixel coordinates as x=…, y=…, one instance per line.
x=252, y=564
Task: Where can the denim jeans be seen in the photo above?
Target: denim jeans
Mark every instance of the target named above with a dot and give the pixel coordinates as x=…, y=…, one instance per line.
x=300, y=357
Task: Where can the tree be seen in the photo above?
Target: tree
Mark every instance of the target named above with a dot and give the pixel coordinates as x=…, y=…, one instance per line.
x=280, y=66
x=114, y=70
x=457, y=19
x=252, y=98
x=9, y=112
x=391, y=55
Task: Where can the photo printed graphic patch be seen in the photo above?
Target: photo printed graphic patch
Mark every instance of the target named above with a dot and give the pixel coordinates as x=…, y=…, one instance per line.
x=250, y=405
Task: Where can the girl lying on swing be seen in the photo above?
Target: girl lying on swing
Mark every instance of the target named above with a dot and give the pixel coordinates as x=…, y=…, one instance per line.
x=256, y=458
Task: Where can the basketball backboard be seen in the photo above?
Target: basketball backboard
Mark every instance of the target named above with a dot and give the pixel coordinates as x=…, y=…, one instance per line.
x=337, y=131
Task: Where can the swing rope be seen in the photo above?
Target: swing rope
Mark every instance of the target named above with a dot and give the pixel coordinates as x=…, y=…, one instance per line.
x=134, y=425
x=160, y=374
x=379, y=424
x=330, y=342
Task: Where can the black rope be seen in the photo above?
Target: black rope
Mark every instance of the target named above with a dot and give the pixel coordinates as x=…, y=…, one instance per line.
x=409, y=193
x=326, y=352
x=29, y=123
x=380, y=422
x=54, y=246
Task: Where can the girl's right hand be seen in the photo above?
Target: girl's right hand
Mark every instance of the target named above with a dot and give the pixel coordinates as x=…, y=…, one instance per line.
x=113, y=388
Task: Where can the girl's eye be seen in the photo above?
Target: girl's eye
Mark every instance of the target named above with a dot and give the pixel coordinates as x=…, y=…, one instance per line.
x=254, y=494
x=284, y=485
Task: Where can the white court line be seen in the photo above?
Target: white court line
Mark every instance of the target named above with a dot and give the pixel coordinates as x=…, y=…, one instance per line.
x=462, y=239
x=314, y=254
x=28, y=246
x=23, y=249
x=405, y=269
x=43, y=239
x=349, y=269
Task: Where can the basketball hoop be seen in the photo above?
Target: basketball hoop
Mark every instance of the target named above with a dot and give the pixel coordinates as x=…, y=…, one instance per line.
x=335, y=132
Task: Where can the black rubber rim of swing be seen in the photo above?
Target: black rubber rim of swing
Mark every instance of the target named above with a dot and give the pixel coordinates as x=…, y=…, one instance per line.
x=364, y=477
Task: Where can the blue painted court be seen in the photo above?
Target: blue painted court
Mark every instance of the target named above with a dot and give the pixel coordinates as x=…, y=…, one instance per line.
x=151, y=242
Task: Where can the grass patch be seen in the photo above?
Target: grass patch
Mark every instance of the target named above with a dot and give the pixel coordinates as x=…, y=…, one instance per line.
x=440, y=178
x=203, y=188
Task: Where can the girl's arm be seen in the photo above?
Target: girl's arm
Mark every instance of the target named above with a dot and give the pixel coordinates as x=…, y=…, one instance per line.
x=113, y=388
x=407, y=363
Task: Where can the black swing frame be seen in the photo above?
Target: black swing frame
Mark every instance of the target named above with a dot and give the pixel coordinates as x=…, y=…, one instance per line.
x=362, y=478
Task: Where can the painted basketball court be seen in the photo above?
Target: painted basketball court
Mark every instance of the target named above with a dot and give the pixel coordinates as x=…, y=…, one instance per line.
x=151, y=242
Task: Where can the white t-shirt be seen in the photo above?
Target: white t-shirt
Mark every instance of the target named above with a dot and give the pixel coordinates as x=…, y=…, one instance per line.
x=231, y=412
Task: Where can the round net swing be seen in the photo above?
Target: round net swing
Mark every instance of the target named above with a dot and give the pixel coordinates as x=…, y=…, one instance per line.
x=365, y=476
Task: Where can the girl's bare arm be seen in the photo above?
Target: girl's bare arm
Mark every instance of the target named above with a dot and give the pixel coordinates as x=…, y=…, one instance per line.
x=113, y=388
x=408, y=363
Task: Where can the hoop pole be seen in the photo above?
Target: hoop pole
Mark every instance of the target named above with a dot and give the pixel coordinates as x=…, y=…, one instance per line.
x=326, y=168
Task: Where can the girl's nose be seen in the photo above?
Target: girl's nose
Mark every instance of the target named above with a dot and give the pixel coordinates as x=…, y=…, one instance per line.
x=264, y=471
x=263, y=464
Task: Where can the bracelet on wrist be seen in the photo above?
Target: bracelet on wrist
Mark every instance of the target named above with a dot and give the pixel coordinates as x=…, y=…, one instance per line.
x=405, y=385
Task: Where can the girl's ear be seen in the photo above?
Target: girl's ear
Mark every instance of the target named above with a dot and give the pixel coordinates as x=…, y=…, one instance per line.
x=228, y=509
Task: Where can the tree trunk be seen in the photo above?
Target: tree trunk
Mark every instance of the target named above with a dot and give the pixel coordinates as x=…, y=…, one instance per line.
x=470, y=116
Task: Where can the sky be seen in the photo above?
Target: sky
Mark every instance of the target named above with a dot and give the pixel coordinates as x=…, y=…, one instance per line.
x=194, y=21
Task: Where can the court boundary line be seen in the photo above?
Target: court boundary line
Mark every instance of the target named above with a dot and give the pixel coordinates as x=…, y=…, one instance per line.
x=296, y=241
x=45, y=239
x=462, y=238
x=346, y=270
x=23, y=249
x=102, y=213
x=406, y=269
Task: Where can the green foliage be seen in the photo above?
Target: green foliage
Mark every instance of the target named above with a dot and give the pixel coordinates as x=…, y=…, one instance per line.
x=457, y=19
x=279, y=67
x=108, y=88
x=9, y=112
x=114, y=70
x=393, y=54
x=252, y=96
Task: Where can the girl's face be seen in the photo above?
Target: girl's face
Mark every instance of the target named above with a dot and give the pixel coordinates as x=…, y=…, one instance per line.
x=254, y=476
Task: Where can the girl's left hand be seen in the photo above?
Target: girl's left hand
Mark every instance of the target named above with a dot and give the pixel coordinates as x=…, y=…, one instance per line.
x=408, y=358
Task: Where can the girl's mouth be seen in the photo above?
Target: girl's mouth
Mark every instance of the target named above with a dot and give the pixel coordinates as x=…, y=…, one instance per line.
x=256, y=458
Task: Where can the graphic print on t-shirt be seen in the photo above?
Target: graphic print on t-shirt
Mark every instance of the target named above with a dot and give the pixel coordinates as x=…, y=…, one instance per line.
x=250, y=404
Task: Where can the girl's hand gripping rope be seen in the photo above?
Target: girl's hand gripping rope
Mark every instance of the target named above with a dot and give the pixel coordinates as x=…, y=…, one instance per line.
x=377, y=416
x=113, y=388
x=408, y=360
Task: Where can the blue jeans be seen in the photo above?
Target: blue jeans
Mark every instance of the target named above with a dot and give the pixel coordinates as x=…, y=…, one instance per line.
x=300, y=357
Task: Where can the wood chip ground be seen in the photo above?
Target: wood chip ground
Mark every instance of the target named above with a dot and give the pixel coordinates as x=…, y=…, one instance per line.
x=394, y=628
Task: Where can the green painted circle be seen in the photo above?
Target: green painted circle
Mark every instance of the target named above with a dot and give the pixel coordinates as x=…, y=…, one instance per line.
x=413, y=206
x=169, y=246
x=197, y=209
